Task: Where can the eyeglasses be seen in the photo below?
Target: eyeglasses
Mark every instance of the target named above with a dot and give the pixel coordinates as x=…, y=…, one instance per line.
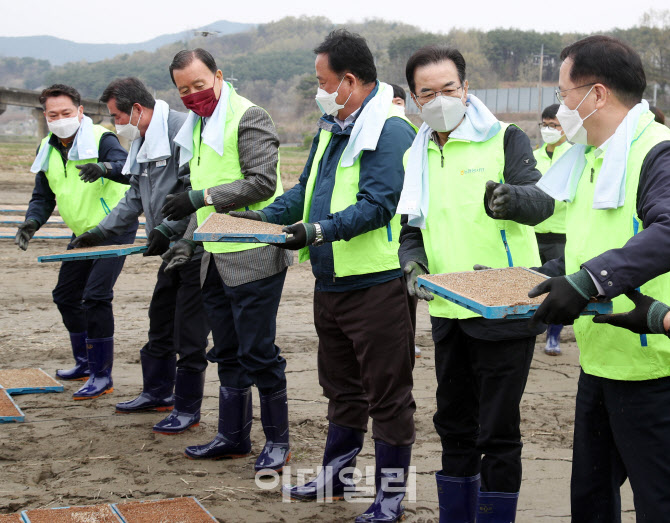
x=559, y=95
x=429, y=96
x=550, y=125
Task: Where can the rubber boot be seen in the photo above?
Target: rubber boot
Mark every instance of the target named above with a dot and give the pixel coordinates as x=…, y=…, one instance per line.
x=274, y=415
x=553, y=346
x=391, y=470
x=235, y=417
x=100, y=352
x=458, y=498
x=342, y=446
x=189, y=389
x=158, y=385
x=80, y=370
x=497, y=507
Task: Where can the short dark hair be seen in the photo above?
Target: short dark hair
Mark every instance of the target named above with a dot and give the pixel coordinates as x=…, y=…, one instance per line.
x=349, y=53
x=186, y=57
x=658, y=114
x=433, y=54
x=398, y=92
x=126, y=92
x=60, y=90
x=550, y=111
x=609, y=61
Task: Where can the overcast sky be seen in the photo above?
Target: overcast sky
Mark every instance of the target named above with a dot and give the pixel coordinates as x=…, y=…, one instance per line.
x=125, y=21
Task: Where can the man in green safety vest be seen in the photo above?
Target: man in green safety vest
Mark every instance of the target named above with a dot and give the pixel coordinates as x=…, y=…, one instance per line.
x=346, y=199
x=78, y=166
x=470, y=198
x=550, y=233
x=616, y=182
x=232, y=148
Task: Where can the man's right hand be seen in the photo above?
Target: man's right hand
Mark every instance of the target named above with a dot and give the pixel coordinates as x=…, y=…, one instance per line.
x=25, y=232
x=179, y=254
x=259, y=216
x=90, y=238
x=412, y=271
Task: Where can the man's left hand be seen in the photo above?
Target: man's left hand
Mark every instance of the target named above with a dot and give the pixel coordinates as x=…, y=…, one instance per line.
x=568, y=296
x=301, y=235
x=90, y=238
x=91, y=172
x=178, y=206
x=499, y=199
x=157, y=243
x=646, y=318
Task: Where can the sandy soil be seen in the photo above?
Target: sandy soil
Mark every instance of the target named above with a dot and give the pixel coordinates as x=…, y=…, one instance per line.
x=79, y=453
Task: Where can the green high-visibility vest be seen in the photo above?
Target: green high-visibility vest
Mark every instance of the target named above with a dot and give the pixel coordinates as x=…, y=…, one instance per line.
x=459, y=233
x=607, y=351
x=556, y=222
x=82, y=205
x=208, y=169
x=373, y=251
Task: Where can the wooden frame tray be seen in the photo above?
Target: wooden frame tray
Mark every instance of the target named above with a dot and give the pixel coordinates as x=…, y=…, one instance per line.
x=92, y=253
x=199, y=513
x=223, y=228
x=7, y=417
x=42, y=382
x=510, y=312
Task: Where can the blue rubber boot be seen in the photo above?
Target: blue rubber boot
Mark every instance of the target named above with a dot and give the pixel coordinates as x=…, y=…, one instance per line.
x=391, y=469
x=235, y=417
x=553, y=346
x=80, y=370
x=158, y=384
x=342, y=446
x=100, y=352
x=497, y=507
x=458, y=498
x=274, y=415
x=189, y=389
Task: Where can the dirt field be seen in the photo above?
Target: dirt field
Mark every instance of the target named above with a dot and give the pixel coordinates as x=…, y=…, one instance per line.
x=79, y=453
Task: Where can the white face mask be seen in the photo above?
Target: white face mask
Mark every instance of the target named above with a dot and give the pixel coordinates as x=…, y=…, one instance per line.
x=550, y=136
x=326, y=101
x=65, y=127
x=443, y=113
x=129, y=131
x=572, y=123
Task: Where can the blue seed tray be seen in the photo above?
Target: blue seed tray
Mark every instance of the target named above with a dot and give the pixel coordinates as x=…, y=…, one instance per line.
x=238, y=237
x=10, y=419
x=111, y=252
x=26, y=518
x=35, y=390
x=508, y=312
x=205, y=511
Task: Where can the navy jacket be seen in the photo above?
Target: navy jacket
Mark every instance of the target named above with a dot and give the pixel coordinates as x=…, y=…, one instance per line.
x=379, y=188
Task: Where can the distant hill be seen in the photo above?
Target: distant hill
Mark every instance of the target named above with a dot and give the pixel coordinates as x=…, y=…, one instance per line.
x=58, y=51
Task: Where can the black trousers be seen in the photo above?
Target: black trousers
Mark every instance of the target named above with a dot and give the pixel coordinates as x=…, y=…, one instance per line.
x=622, y=430
x=550, y=250
x=479, y=388
x=177, y=320
x=85, y=290
x=365, y=359
x=244, y=325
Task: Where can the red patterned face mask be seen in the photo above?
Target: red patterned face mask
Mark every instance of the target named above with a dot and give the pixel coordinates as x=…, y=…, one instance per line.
x=201, y=103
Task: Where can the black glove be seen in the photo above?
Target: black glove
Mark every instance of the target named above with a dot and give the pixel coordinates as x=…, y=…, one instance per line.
x=499, y=199
x=158, y=242
x=568, y=295
x=88, y=239
x=412, y=271
x=646, y=318
x=302, y=235
x=259, y=216
x=91, y=172
x=179, y=254
x=178, y=206
x=25, y=232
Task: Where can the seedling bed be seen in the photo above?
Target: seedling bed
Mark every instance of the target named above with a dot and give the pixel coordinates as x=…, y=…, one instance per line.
x=9, y=411
x=11, y=518
x=91, y=253
x=496, y=293
x=174, y=510
x=90, y=514
x=28, y=381
x=224, y=228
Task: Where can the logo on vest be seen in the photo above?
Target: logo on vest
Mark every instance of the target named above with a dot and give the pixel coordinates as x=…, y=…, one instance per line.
x=472, y=171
